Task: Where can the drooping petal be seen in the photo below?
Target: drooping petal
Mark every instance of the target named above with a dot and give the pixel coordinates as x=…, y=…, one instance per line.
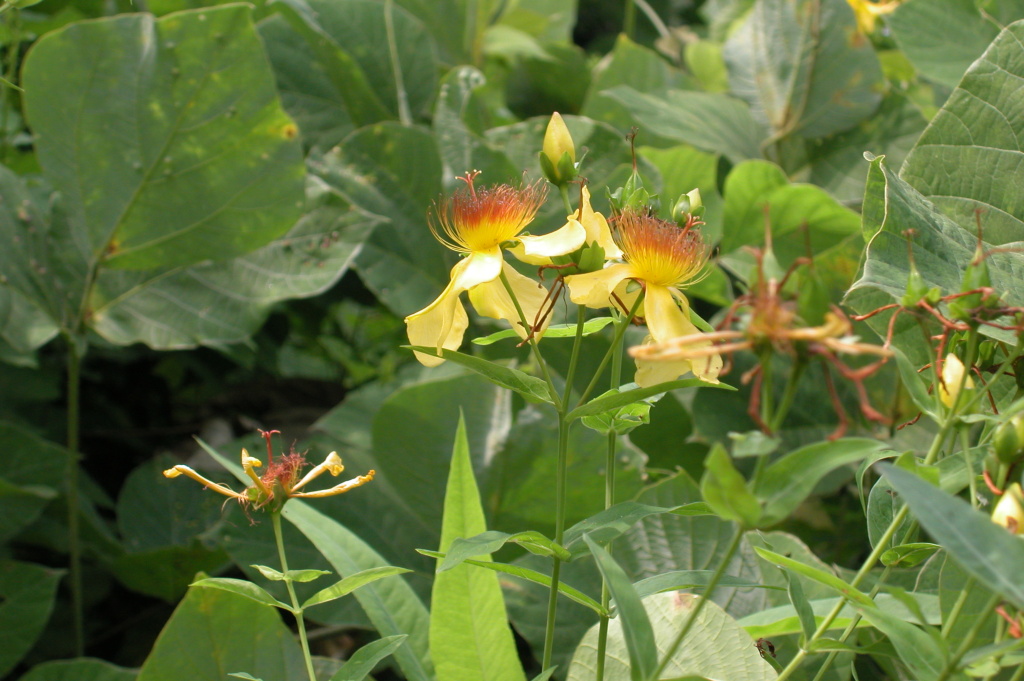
x=594, y=289
x=538, y=250
x=597, y=229
x=492, y=300
x=665, y=320
x=442, y=324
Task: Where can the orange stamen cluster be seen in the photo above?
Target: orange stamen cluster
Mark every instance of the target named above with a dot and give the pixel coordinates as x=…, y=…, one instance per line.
x=662, y=253
x=475, y=220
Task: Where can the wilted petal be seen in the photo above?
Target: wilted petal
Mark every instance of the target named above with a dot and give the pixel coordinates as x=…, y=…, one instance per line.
x=442, y=324
x=492, y=300
x=538, y=250
x=594, y=289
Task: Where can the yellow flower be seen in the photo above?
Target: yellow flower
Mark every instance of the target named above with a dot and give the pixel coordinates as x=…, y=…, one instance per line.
x=952, y=376
x=1009, y=512
x=279, y=482
x=558, y=153
x=866, y=11
x=478, y=223
x=594, y=225
x=662, y=257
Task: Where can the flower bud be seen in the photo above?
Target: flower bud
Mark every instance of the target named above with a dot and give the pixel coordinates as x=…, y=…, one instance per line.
x=1007, y=441
x=1009, y=512
x=953, y=371
x=688, y=204
x=558, y=158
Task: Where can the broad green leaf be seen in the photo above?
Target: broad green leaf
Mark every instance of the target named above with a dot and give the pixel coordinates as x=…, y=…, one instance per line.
x=973, y=605
x=716, y=648
x=783, y=620
x=787, y=482
x=726, y=491
x=608, y=402
x=351, y=583
x=27, y=594
x=241, y=587
x=204, y=163
x=82, y=669
x=396, y=81
x=362, y=662
x=909, y=555
x=31, y=464
x=488, y=542
x=800, y=70
x=817, y=575
x=530, y=387
x=554, y=331
x=225, y=302
x=633, y=620
x=212, y=631
x=690, y=579
x=712, y=122
x=942, y=38
x=167, y=571
x=394, y=172
x=530, y=576
x=469, y=633
x=925, y=655
x=448, y=22
x=986, y=550
x=608, y=524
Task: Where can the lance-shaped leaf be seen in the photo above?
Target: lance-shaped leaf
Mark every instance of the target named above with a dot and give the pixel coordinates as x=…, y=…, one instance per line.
x=244, y=588
x=726, y=491
x=351, y=583
x=530, y=387
x=362, y=662
x=615, y=400
x=487, y=543
x=165, y=137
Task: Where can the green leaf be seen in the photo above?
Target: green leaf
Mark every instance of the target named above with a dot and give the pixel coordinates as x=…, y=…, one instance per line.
x=608, y=402
x=351, y=583
x=712, y=122
x=621, y=420
x=798, y=68
x=212, y=631
x=82, y=669
x=608, y=524
x=242, y=588
x=469, y=633
x=787, y=482
x=243, y=675
x=27, y=593
x=590, y=326
x=716, y=648
x=488, y=542
x=783, y=620
x=942, y=38
x=292, y=575
x=817, y=575
x=925, y=655
x=690, y=579
x=726, y=492
x=362, y=662
x=531, y=576
x=808, y=625
x=530, y=387
x=31, y=464
x=909, y=555
x=637, y=632
x=212, y=167
x=166, y=572
x=987, y=551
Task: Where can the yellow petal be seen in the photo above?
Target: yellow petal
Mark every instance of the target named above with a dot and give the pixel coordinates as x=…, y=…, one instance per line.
x=557, y=140
x=538, y=250
x=492, y=300
x=665, y=320
x=952, y=376
x=594, y=289
x=597, y=229
x=442, y=324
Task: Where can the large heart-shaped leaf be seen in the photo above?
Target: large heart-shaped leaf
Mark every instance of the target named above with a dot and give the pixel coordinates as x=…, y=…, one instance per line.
x=27, y=593
x=165, y=137
x=802, y=67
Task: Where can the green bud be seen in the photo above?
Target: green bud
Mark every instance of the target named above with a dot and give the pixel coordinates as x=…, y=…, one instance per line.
x=1007, y=442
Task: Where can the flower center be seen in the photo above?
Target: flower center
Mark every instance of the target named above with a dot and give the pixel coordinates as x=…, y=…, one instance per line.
x=474, y=220
x=661, y=253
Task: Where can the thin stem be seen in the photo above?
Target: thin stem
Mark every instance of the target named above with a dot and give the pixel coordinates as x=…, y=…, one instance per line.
x=404, y=113
x=795, y=372
x=563, y=190
x=556, y=570
x=767, y=389
x=275, y=519
x=692, y=618
x=968, y=640
x=972, y=479
x=620, y=331
x=74, y=361
x=533, y=343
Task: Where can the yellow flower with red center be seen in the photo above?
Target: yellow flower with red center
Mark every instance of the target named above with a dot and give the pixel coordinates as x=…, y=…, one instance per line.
x=478, y=223
x=662, y=257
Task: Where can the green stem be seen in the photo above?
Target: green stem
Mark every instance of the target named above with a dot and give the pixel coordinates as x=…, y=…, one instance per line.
x=629, y=20
x=401, y=96
x=795, y=372
x=275, y=519
x=692, y=618
x=620, y=331
x=968, y=640
x=958, y=606
x=563, y=190
x=74, y=361
x=767, y=388
x=555, y=400
x=972, y=481
x=556, y=570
